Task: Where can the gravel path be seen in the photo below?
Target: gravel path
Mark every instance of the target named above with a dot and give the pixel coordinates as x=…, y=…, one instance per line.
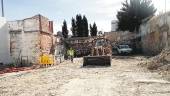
x=123, y=78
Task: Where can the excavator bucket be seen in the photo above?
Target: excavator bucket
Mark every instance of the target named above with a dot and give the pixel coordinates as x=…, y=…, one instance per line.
x=97, y=61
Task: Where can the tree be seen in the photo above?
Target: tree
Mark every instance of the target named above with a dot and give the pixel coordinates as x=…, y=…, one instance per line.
x=93, y=30
x=74, y=27
x=133, y=12
x=64, y=30
x=80, y=26
x=85, y=27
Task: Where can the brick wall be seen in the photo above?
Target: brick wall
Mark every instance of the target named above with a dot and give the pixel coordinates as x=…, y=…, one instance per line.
x=46, y=43
x=46, y=25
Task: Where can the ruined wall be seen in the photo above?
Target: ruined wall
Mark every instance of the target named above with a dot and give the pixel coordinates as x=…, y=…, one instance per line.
x=31, y=46
x=15, y=25
x=59, y=49
x=46, y=43
x=46, y=25
x=112, y=36
x=154, y=34
x=30, y=38
x=15, y=45
x=46, y=31
x=25, y=45
x=120, y=36
x=31, y=25
x=25, y=41
x=82, y=45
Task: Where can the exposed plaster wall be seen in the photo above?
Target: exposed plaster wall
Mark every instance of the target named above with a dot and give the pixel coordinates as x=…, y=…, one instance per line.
x=25, y=45
x=30, y=38
x=4, y=42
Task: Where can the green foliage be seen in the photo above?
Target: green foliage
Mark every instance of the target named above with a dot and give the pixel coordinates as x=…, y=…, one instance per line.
x=80, y=26
x=64, y=29
x=133, y=12
x=12, y=65
x=93, y=30
x=79, y=23
x=74, y=27
x=85, y=27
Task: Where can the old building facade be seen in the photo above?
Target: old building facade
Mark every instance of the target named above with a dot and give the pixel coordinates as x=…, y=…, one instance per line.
x=30, y=38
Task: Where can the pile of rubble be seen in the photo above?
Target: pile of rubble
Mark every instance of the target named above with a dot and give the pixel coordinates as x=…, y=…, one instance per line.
x=159, y=62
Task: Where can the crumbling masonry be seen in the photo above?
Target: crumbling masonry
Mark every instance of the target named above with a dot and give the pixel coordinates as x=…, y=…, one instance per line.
x=30, y=38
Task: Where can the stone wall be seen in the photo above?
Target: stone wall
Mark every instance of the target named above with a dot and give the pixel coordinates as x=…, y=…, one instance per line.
x=30, y=38
x=31, y=25
x=120, y=36
x=82, y=45
x=154, y=34
x=25, y=45
x=46, y=43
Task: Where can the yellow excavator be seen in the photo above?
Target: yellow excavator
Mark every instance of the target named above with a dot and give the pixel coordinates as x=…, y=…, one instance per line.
x=101, y=53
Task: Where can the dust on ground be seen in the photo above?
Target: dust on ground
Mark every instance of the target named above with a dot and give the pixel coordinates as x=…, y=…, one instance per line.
x=123, y=78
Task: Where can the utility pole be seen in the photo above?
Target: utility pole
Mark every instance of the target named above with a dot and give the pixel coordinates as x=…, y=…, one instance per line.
x=2, y=6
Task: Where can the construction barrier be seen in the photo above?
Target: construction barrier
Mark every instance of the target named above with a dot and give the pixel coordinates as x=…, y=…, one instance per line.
x=47, y=60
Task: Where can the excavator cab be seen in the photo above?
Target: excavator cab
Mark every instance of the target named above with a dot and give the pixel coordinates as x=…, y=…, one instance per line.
x=101, y=53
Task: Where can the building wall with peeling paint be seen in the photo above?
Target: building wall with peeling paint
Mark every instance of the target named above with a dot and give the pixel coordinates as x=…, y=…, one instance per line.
x=154, y=33
x=30, y=38
x=25, y=45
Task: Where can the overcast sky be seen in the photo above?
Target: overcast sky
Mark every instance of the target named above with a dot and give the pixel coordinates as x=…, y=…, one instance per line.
x=99, y=11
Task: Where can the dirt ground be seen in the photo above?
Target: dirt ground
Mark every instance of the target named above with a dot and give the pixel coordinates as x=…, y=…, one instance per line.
x=123, y=78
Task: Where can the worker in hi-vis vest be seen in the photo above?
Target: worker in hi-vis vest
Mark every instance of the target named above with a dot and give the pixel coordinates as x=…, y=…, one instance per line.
x=70, y=53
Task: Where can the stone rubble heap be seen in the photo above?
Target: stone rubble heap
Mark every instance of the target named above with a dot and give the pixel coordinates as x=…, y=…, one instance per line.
x=159, y=62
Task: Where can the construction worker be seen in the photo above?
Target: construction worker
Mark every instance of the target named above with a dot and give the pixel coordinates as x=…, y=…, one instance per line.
x=70, y=53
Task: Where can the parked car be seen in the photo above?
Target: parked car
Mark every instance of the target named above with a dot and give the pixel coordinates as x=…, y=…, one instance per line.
x=124, y=49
